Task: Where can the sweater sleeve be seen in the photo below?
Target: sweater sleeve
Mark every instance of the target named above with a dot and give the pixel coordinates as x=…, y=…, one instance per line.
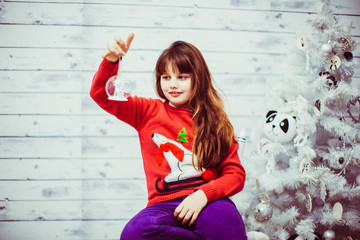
x=132, y=111
x=231, y=178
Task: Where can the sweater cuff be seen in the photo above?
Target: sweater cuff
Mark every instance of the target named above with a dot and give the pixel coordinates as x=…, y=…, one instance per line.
x=110, y=67
x=116, y=61
x=209, y=191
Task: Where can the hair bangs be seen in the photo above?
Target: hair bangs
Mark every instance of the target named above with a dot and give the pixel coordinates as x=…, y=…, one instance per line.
x=179, y=61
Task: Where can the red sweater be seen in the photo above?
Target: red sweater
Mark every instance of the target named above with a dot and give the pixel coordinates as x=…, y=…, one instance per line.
x=166, y=134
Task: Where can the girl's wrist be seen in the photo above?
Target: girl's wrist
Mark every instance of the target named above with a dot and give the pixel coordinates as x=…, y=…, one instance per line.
x=113, y=61
x=202, y=195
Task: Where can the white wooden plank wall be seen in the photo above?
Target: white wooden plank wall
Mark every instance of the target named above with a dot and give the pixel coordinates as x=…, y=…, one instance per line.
x=68, y=170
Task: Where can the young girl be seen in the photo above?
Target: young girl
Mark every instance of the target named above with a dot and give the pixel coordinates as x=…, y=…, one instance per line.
x=188, y=147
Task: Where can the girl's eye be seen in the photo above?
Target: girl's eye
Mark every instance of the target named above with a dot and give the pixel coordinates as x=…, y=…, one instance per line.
x=165, y=77
x=183, y=77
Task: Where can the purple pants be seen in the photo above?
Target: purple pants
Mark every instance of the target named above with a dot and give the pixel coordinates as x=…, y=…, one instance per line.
x=218, y=220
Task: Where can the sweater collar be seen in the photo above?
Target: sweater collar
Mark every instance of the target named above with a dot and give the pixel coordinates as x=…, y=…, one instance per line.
x=181, y=109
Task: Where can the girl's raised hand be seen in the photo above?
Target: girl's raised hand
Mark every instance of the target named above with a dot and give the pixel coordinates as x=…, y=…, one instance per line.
x=118, y=49
x=189, y=209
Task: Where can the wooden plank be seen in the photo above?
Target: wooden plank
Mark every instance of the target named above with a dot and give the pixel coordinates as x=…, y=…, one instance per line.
x=74, y=169
x=143, y=83
x=39, y=125
x=84, y=126
x=340, y=6
x=34, y=36
x=71, y=210
x=63, y=147
x=49, y=59
x=64, y=125
x=149, y=16
x=63, y=230
x=87, y=147
x=68, y=104
x=149, y=39
x=138, y=61
x=46, y=103
x=39, y=81
x=73, y=190
x=79, y=147
x=64, y=81
x=40, y=147
x=80, y=82
x=235, y=104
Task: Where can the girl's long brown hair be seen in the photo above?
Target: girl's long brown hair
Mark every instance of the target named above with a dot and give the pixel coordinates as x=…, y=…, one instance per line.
x=214, y=133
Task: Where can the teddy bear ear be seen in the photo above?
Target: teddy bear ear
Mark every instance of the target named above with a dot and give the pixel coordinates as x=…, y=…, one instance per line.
x=270, y=113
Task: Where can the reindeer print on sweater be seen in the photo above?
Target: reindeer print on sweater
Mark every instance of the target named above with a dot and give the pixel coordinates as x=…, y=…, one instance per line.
x=180, y=162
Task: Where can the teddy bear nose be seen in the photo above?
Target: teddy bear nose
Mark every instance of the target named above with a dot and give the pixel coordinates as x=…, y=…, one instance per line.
x=273, y=126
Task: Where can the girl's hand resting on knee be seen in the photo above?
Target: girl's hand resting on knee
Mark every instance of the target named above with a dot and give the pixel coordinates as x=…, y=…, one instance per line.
x=190, y=208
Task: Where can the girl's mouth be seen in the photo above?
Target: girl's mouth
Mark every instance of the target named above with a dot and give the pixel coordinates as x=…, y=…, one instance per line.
x=175, y=94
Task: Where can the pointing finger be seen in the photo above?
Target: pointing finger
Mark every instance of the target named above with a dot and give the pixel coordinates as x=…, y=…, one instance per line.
x=124, y=45
x=129, y=40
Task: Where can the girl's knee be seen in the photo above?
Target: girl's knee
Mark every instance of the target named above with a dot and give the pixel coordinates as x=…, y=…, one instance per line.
x=222, y=215
x=130, y=231
x=223, y=205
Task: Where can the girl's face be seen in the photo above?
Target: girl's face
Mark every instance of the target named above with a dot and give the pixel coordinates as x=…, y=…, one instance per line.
x=176, y=86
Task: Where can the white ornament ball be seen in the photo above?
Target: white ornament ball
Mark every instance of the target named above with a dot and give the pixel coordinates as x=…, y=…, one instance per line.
x=263, y=211
x=329, y=235
x=118, y=88
x=326, y=48
x=279, y=127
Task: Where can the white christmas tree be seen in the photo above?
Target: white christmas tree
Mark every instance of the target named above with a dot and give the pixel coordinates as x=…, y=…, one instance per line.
x=303, y=180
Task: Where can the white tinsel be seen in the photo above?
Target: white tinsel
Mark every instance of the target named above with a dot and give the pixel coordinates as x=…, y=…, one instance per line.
x=328, y=217
x=351, y=219
x=305, y=229
x=282, y=234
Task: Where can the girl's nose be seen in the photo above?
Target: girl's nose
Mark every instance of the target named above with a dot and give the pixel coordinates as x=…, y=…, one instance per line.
x=173, y=84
